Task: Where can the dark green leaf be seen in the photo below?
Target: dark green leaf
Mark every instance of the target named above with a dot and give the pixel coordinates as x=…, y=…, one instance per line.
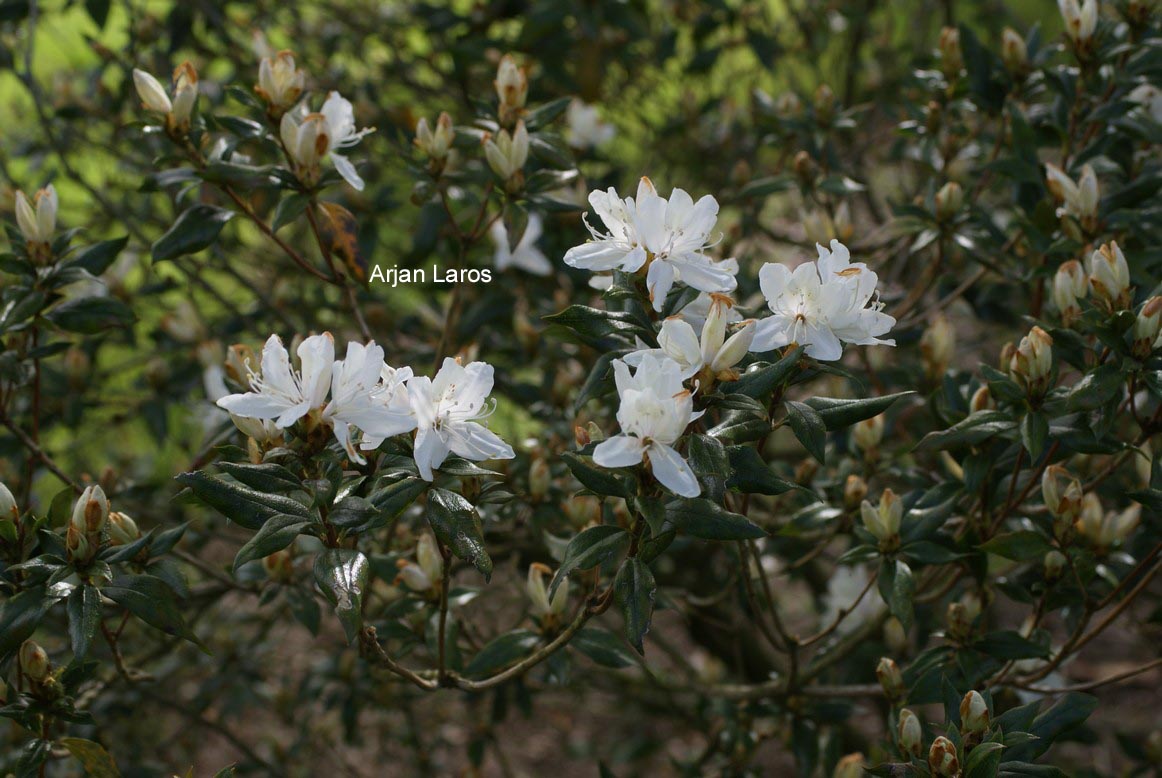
x=599, y=480
x=90, y=315
x=705, y=519
x=634, y=589
x=341, y=574
x=602, y=647
x=457, y=526
x=92, y=756
x=195, y=229
x=839, y=414
x=278, y=532
x=761, y=381
x=502, y=651
x=240, y=503
x=589, y=549
x=151, y=600
x=84, y=609
x=808, y=428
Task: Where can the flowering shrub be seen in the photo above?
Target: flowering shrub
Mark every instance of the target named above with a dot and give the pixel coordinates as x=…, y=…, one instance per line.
x=837, y=459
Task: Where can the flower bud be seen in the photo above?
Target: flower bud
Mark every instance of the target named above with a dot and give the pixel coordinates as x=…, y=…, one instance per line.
x=280, y=83
x=895, y=636
x=595, y=432
x=1014, y=52
x=849, y=766
x=909, y=733
x=185, y=80
x=883, y=521
x=888, y=673
x=122, y=529
x=1146, y=327
x=512, y=90
x=937, y=346
x=1062, y=494
x=581, y=436
x=1032, y=363
x=34, y=661
x=949, y=201
x=507, y=153
x=1069, y=285
x=958, y=621
x=582, y=510
x=1109, y=277
x=538, y=593
x=942, y=759
x=239, y=358
x=788, y=105
x=982, y=400
x=152, y=93
x=78, y=545
x=1054, y=563
x=279, y=566
x=854, y=491
x=1080, y=199
x=435, y=143
x=429, y=558
x=8, y=509
x=1105, y=530
x=1080, y=20
x=974, y=713
x=36, y=219
x=91, y=511
x=951, y=58
x=868, y=433
x=539, y=479
x=804, y=167
x=306, y=142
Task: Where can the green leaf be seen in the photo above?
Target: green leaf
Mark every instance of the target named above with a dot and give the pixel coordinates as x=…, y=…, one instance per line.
x=1022, y=546
x=1096, y=389
x=195, y=229
x=983, y=760
x=502, y=651
x=89, y=315
x=392, y=499
x=839, y=414
x=290, y=207
x=634, y=589
x=1068, y=712
x=92, y=756
x=702, y=518
x=602, y=647
x=808, y=428
x=341, y=574
x=978, y=427
x=19, y=617
x=457, y=526
x=84, y=609
x=153, y=601
x=1034, y=432
x=589, y=549
x=1010, y=644
x=263, y=477
x=97, y=258
x=752, y=475
x=355, y=514
x=898, y=589
x=760, y=382
x=241, y=504
x=547, y=112
x=593, y=325
x=711, y=465
x=599, y=480
x=277, y=533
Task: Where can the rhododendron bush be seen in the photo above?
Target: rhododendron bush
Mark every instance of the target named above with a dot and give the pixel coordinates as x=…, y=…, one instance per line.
x=605, y=388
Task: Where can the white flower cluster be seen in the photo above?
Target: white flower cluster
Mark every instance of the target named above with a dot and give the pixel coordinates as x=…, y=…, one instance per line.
x=819, y=305
x=362, y=391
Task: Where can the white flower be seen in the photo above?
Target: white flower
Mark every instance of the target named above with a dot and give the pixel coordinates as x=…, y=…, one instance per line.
x=821, y=305
x=1109, y=276
x=280, y=83
x=1150, y=98
x=36, y=218
x=670, y=235
x=713, y=350
x=341, y=134
x=1079, y=199
x=843, y=589
x=507, y=152
x=366, y=393
x=585, y=127
x=448, y=410
x=697, y=311
x=654, y=412
x=8, y=509
x=305, y=137
x=526, y=255
x=282, y=393
x=1080, y=20
x=1069, y=286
